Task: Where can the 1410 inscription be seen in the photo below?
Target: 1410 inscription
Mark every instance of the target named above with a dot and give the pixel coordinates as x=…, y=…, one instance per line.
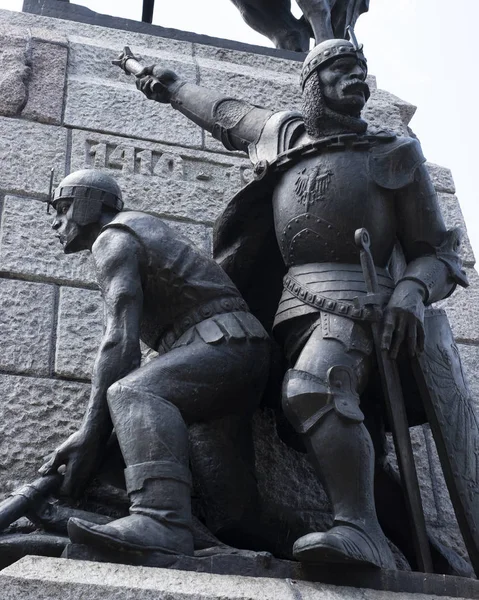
x=137, y=160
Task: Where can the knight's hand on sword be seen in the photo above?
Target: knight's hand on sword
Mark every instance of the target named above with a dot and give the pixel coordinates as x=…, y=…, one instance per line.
x=403, y=319
x=154, y=81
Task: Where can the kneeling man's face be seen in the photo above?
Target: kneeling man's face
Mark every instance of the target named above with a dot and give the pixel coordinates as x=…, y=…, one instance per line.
x=68, y=231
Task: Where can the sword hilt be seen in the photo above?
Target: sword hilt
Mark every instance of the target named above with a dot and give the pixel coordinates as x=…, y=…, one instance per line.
x=131, y=65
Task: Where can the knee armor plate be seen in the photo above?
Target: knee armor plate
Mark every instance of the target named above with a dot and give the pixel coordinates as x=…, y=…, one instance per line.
x=307, y=399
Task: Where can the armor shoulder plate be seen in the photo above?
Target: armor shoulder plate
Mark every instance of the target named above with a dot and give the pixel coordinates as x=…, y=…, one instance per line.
x=278, y=135
x=393, y=165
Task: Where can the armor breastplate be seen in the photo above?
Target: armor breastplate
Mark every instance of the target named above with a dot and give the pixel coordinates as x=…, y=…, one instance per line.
x=321, y=201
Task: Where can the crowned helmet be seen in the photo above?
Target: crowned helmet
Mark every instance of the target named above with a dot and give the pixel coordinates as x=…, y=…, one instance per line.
x=90, y=191
x=330, y=50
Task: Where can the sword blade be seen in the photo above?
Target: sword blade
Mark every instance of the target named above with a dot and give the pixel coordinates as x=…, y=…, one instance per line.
x=396, y=411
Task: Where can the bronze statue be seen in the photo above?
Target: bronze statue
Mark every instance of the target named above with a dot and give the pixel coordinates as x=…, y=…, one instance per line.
x=321, y=20
x=287, y=241
x=159, y=288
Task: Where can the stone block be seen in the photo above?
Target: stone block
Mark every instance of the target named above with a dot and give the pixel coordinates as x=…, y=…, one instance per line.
x=36, y=415
x=168, y=181
x=41, y=578
x=452, y=214
x=80, y=322
x=28, y=153
x=46, y=83
x=26, y=326
x=102, y=97
x=28, y=246
x=14, y=74
x=386, y=111
x=270, y=89
x=52, y=579
x=441, y=178
x=109, y=108
x=57, y=30
x=258, y=62
x=32, y=77
x=320, y=591
x=12, y=24
x=463, y=309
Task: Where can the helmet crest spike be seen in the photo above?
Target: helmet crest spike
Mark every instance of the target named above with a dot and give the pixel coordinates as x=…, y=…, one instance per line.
x=50, y=192
x=353, y=38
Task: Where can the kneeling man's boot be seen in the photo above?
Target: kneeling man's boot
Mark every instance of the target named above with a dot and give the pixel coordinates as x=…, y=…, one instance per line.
x=153, y=439
x=160, y=514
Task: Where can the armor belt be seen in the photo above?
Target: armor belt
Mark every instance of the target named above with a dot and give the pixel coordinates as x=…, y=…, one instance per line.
x=335, y=307
x=195, y=316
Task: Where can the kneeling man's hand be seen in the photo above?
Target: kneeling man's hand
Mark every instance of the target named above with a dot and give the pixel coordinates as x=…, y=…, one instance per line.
x=79, y=456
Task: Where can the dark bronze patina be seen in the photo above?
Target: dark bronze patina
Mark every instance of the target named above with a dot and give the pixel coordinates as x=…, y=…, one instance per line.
x=158, y=288
x=288, y=242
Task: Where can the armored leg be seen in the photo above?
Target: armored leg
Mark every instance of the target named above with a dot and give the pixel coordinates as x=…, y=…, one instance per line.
x=154, y=442
x=322, y=403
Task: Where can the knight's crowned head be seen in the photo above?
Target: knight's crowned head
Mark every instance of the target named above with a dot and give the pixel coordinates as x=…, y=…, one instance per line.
x=330, y=51
x=333, y=80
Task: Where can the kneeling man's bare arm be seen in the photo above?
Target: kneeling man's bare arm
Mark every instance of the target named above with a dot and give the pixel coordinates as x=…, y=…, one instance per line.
x=117, y=258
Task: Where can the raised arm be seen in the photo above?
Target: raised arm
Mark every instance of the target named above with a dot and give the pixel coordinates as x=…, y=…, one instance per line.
x=235, y=123
x=117, y=257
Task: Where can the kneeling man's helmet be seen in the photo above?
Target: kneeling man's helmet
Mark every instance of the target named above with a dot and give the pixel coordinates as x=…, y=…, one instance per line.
x=90, y=191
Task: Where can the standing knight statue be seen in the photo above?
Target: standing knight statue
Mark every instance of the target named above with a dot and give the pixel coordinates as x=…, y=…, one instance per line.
x=287, y=241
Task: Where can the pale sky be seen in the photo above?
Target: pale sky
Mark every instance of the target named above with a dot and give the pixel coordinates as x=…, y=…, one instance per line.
x=419, y=50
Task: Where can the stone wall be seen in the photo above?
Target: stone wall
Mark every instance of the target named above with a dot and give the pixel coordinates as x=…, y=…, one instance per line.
x=63, y=105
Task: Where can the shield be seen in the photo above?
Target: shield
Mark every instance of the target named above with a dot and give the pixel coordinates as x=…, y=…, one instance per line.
x=454, y=423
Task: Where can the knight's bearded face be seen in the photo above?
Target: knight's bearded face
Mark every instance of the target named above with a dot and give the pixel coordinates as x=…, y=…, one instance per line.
x=343, y=85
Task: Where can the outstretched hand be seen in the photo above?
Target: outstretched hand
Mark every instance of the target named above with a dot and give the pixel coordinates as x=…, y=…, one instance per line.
x=79, y=456
x=404, y=319
x=157, y=83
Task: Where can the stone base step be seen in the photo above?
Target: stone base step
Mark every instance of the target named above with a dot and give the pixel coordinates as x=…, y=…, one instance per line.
x=40, y=578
